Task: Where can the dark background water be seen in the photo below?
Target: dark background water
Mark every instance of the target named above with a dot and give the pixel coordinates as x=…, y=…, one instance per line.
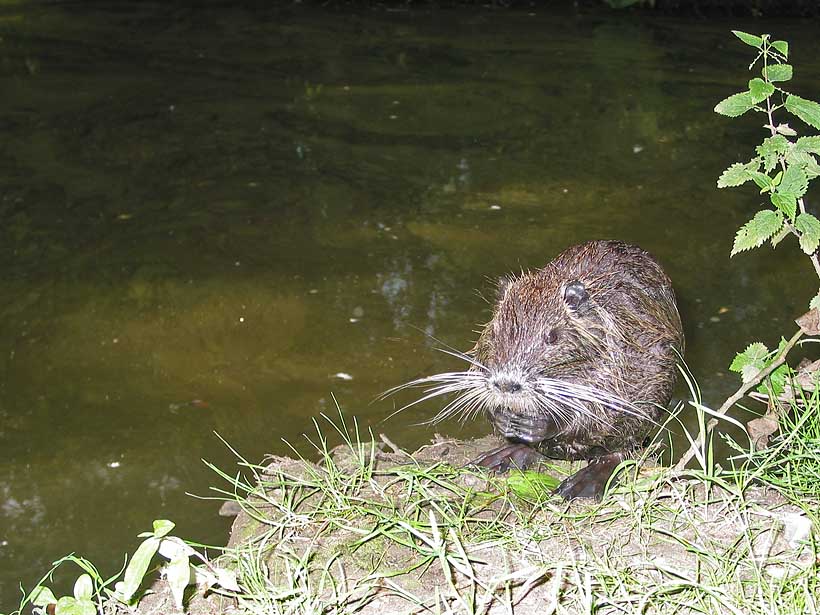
x=260, y=209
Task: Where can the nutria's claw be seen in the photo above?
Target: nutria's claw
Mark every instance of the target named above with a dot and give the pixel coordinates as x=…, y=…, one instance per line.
x=518, y=456
x=590, y=482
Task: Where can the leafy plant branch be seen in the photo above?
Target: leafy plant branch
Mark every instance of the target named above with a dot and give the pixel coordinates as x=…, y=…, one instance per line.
x=784, y=166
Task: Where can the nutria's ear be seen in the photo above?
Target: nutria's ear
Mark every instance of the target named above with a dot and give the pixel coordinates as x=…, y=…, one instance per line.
x=501, y=286
x=575, y=295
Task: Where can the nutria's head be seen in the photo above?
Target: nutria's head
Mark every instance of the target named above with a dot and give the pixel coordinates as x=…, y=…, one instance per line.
x=581, y=350
x=544, y=359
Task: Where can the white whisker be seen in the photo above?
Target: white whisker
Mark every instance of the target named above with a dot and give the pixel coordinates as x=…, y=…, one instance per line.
x=463, y=355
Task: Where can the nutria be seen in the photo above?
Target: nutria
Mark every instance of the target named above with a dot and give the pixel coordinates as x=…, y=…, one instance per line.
x=577, y=362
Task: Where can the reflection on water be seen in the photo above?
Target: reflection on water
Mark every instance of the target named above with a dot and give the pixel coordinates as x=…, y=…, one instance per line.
x=218, y=220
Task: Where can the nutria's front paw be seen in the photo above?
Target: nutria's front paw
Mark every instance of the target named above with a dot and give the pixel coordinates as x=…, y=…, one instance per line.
x=590, y=482
x=518, y=456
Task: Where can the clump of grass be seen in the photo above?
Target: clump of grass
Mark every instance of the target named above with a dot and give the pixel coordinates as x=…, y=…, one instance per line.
x=364, y=531
x=791, y=461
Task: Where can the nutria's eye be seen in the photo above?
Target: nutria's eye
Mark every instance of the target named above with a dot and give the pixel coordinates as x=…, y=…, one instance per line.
x=575, y=295
x=552, y=336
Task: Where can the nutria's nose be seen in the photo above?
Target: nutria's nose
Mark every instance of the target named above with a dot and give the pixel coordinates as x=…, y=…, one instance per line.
x=507, y=386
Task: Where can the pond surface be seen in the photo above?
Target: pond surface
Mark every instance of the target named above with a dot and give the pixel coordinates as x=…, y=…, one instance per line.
x=229, y=220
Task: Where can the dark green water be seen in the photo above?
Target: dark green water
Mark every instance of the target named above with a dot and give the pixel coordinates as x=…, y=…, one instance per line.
x=261, y=209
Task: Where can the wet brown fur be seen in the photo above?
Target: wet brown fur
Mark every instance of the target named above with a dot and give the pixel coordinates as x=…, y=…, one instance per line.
x=622, y=341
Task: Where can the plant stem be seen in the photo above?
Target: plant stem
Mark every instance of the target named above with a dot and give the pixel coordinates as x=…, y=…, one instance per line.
x=769, y=109
x=736, y=397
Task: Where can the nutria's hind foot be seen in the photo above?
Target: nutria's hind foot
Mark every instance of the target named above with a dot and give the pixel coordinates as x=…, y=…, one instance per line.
x=590, y=482
x=518, y=456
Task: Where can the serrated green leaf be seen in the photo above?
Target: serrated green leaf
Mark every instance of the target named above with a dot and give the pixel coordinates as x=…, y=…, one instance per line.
x=815, y=302
x=787, y=203
x=778, y=72
x=780, y=235
x=798, y=158
x=759, y=90
x=735, y=105
x=755, y=354
x=749, y=373
x=785, y=129
x=812, y=169
x=776, y=381
x=809, y=228
x=770, y=151
x=794, y=182
x=735, y=175
x=806, y=110
x=809, y=244
x=782, y=47
x=776, y=144
x=757, y=230
x=763, y=181
x=749, y=39
x=808, y=144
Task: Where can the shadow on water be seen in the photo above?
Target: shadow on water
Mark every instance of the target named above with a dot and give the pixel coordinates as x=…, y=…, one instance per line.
x=213, y=219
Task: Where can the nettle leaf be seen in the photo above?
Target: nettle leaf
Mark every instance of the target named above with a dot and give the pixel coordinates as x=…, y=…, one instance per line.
x=770, y=162
x=757, y=230
x=780, y=235
x=787, y=203
x=782, y=47
x=808, y=144
x=776, y=381
x=805, y=161
x=794, y=181
x=812, y=169
x=785, y=129
x=798, y=158
x=763, y=181
x=777, y=144
x=806, y=110
x=778, y=72
x=735, y=105
x=809, y=228
x=749, y=39
x=754, y=355
x=759, y=90
x=737, y=174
